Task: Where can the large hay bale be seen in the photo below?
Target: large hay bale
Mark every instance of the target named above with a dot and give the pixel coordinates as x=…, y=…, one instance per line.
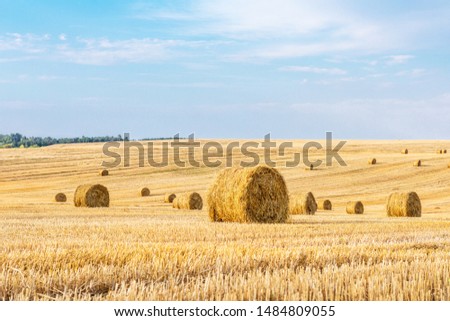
x=405, y=151
x=60, y=198
x=104, y=172
x=302, y=204
x=91, y=196
x=418, y=163
x=145, y=192
x=188, y=201
x=324, y=205
x=257, y=194
x=355, y=208
x=404, y=204
x=169, y=197
x=372, y=161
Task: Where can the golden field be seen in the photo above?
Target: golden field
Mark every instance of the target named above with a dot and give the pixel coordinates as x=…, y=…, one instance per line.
x=141, y=249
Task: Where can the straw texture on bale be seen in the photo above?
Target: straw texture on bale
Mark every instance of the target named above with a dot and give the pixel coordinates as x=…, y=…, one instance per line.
x=188, y=201
x=418, y=163
x=355, y=208
x=324, y=205
x=257, y=194
x=404, y=205
x=405, y=151
x=302, y=204
x=60, y=197
x=145, y=192
x=372, y=161
x=169, y=197
x=91, y=196
x=104, y=172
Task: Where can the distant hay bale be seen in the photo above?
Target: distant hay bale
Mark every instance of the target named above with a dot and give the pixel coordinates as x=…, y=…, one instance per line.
x=188, y=201
x=104, y=172
x=302, y=204
x=60, y=198
x=404, y=204
x=355, y=208
x=372, y=161
x=418, y=163
x=444, y=151
x=324, y=205
x=439, y=151
x=258, y=194
x=145, y=192
x=448, y=165
x=405, y=151
x=169, y=197
x=309, y=168
x=91, y=196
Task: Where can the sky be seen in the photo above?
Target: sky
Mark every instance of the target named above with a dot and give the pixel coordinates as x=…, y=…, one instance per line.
x=226, y=68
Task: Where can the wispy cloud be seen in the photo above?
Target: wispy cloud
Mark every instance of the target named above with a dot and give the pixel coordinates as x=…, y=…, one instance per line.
x=398, y=59
x=314, y=70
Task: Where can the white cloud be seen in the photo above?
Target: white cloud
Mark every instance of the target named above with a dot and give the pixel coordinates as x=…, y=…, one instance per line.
x=398, y=59
x=62, y=37
x=314, y=70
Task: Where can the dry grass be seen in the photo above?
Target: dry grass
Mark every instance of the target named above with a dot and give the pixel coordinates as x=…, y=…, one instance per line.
x=404, y=204
x=303, y=203
x=143, y=249
x=257, y=194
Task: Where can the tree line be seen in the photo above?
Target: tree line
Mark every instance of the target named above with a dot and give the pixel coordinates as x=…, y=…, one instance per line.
x=18, y=140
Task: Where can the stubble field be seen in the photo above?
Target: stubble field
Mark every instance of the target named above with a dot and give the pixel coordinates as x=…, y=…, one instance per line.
x=141, y=249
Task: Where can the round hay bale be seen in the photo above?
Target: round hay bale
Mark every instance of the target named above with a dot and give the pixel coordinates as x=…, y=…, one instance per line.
x=439, y=151
x=169, y=197
x=145, y=192
x=355, y=208
x=372, y=161
x=257, y=194
x=324, y=205
x=405, y=151
x=302, y=204
x=404, y=204
x=444, y=151
x=418, y=163
x=309, y=168
x=91, y=196
x=188, y=201
x=60, y=198
x=104, y=172
x=448, y=165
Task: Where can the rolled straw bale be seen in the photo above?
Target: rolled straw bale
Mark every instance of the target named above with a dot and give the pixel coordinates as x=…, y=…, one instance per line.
x=60, y=198
x=104, y=172
x=257, y=194
x=145, y=192
x=404, y=204
x=91, y=196
x=372, y=161
x=324, y=205
x=169, y=197
x=302, y=204
x=418, y=163
x=188, y=201
x=405, y=151
x=355, y=207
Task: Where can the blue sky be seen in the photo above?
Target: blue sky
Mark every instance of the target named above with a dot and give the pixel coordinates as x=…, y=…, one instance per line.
x=226, y=68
